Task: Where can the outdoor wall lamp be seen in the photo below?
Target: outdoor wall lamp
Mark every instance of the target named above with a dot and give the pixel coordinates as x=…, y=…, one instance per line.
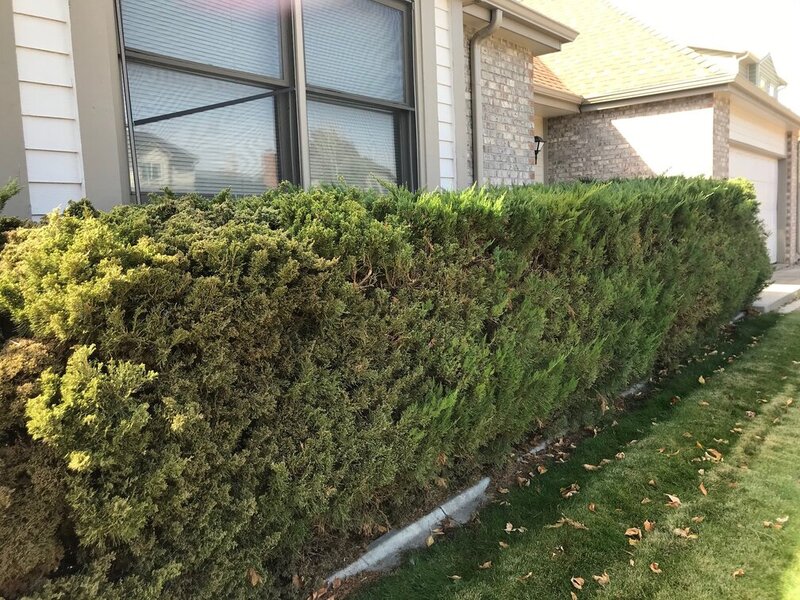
x=538, y=143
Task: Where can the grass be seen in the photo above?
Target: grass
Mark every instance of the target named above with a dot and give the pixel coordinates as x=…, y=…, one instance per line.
x=757, y=480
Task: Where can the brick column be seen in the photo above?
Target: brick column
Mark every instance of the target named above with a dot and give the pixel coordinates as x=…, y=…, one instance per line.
x=791, y=197
x=722, y=134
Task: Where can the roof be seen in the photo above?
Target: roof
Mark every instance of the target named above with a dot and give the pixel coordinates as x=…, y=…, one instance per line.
x=543, y=76
x=181, y=157
x=615, y=54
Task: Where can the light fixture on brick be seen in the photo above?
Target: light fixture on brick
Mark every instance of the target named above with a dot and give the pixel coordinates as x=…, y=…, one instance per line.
x=538, y=143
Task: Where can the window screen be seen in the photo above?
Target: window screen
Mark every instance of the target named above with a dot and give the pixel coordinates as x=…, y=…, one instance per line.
x=232, y=146
x=355, y=46
x=352, y=145
x=358, y=102
x=242, y=35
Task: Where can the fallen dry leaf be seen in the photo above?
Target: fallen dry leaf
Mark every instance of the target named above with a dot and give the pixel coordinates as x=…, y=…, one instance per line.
x=429, y=542
x=738, y=573
x=592, y=507
x=486, y=565
x=782, y=520
x=567, y=521
x=652, y=483
x=655, y=568
x=698, y=519
x=701, y=380
x=541, y=469
x=570, y=491
x=619, y=455
x=509, y=528
x=703, y=489
x=254, y=577
x=502, y=490
x=685, y=533
x=525, y=577
x=454, y=577
x=633, y=532
x=591, y=467
x=523, y=481
x=297, y=582
x=578, y=582
x=674, y=501
x=646, y=500
x=573, y=596
x=649, y=525
x=603, y=579
x=503, y=545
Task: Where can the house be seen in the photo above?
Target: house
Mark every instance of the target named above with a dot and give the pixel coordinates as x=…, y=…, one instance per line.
x=642, y=104
x=112, y=98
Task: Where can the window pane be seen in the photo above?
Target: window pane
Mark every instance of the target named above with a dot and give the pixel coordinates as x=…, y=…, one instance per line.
x=355, y=46
x=207, y=151
x=353, y=144
x=239, y=34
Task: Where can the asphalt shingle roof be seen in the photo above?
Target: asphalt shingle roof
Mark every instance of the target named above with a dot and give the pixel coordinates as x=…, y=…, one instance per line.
x=543, y=76
x=614, y=52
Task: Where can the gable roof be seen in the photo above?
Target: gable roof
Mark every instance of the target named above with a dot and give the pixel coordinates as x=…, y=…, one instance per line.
x=615, y=54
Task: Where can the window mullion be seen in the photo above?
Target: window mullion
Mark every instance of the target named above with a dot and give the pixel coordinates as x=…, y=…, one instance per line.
x=301, y=96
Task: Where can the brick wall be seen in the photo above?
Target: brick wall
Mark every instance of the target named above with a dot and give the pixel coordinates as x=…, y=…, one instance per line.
x=589, y=146
x=791, y=198
x=722, y=134
x=507, y=74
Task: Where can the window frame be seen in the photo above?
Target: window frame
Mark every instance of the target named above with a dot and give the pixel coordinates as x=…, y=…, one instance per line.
x=287, y=98
x=404, y=113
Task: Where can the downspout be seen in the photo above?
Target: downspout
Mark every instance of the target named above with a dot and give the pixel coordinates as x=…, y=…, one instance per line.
x=475, y=45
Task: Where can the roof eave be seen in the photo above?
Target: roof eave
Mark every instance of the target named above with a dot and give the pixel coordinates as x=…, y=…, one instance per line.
x=634, y=95
x=721, y=83
x=753, y=92
x=524, y=25
x=540, y=89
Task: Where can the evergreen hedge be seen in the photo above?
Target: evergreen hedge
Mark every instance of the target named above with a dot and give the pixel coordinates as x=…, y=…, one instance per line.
x=199, y=391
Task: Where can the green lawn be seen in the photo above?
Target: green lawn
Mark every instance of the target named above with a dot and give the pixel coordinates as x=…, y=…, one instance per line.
x=757, y=480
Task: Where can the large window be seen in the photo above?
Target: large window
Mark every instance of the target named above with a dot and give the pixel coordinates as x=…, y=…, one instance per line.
x=213, y=103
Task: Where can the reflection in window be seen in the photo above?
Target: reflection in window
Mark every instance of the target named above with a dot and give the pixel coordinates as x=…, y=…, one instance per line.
x=227, y=147
x=351, y=145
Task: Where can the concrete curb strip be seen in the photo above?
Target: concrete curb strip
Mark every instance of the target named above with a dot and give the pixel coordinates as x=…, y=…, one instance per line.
x=385, y=552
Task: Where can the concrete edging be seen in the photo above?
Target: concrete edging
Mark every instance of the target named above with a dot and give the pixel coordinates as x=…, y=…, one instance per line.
x=385, y=552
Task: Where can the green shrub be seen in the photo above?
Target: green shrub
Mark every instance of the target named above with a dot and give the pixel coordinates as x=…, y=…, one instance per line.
x=230, y=381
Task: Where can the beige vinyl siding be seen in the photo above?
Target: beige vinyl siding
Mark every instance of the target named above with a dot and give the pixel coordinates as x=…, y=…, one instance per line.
x=444, y=95
x=48, y=101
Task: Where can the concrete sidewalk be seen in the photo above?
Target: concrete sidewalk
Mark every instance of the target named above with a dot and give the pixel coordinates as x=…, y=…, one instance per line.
x=783, y=293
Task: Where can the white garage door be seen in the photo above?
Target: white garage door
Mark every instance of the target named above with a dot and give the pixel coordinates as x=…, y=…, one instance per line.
x=763, y=172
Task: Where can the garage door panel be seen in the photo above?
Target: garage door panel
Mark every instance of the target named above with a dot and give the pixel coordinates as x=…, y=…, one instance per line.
x=763, y=172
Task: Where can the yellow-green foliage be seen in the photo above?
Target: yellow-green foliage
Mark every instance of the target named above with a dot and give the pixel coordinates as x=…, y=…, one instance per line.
x=230, y=377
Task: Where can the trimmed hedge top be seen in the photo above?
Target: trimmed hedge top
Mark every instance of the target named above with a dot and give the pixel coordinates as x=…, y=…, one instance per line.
x=208, y=388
